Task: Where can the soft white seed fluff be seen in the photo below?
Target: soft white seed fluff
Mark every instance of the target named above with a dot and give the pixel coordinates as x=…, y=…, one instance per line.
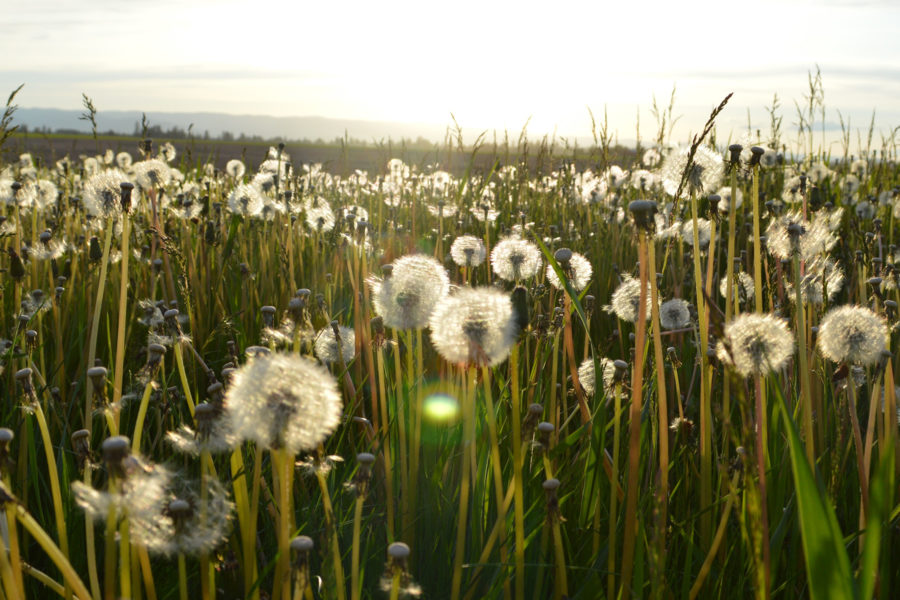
x=674, y=314
x=102, y=193
x=792, y=233
x=579, y=273
x=283, y=401
x=151, y=173
x=515, y=259
x=626, y=299
x=407, y=298
x=326, y=346
x=246, y=200
x=235, y=168
x=468, y=251
x=704, y=175
x=756, y=344
x=204, y=527
x=474, y=326
x=852, y=334
x=742, y=286
x=587, y=376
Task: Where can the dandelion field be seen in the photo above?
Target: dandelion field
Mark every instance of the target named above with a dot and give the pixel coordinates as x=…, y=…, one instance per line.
x=667, y=379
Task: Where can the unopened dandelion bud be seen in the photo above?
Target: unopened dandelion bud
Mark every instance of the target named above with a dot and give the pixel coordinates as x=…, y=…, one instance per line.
x=302, y=545
x=81, y=445
x=544, y=431
x=563, y=256
x=268, y=315
x=621, y=369
x=803, y=179
x=364, y=473
x=398, y=554
x=256, y=351
x=96, y=252
x=520, y=307
x=98, y=379
x=295, y=307
x=215, y=391
x=644, y=214
x=714, y=200
x=532, y=417
x=125, y=199
x=115, y=450
x=755, y=154
x=6, y=438
x=31, y=340
x=550, y=493
x=45, y=236
x=890, y=307
x=171, y=317
x=735, y=151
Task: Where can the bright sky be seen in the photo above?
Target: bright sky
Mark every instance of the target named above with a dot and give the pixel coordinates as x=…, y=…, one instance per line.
x=493, y=64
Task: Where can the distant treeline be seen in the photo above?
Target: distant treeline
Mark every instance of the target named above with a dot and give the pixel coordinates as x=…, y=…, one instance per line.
x=178, y=133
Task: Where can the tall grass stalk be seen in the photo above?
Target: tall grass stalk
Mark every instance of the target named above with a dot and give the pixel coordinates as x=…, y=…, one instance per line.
x=462, y=524
x=634, y=431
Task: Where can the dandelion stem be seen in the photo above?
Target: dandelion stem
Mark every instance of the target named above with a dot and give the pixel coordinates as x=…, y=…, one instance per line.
x=634, y=435
x=518, y=493
x=54, y=482
x=123, y=311
x=354, y=561
x=332, y=526
x=95, y=323
x=462, y=524
x=58, y=558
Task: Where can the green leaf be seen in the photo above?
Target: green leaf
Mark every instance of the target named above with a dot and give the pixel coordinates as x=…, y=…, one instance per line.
x=879, y=507
x=827, y=565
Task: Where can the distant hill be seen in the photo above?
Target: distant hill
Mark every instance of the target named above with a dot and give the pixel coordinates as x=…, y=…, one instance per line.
x=217, y=124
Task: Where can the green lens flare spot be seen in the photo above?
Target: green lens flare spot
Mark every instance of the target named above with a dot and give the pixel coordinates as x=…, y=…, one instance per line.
x=441, y=408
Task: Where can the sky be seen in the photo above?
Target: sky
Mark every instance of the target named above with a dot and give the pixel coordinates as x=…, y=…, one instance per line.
x=490, y=64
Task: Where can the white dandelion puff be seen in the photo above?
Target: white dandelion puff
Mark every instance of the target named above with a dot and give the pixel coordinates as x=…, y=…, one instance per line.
x=852, y=334
x=756, y=344
x=515, y=259
x=474, y=326
x=283, y=401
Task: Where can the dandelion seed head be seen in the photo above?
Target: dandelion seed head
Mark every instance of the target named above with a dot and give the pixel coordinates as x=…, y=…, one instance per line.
x=756, y=344
x=187, y=524
x=407, y=298
x=474, y=326
x=319, y=216
x=246, y=200
x=283, y=400
x=792, y=233
x=235, y=168
x=515, y=259
x=742, y=287
x=704, y=175
x=578, y=273
x=821, y=274
x=626, y=299
x=704, y=232
x=587, y=376
x=151, y=173
x=674, y=314
x=852, y=334
x=468, y=251
x=326, y=345
x=102, y=194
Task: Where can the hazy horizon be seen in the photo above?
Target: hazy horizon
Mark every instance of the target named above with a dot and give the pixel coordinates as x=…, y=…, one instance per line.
x=493, y=66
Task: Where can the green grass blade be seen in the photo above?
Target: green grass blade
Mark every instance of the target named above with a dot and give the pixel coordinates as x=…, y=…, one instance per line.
x=827, y=565
x=879, y=506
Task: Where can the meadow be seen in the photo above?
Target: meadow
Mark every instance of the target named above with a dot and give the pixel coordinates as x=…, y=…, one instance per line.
x=515, y=370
